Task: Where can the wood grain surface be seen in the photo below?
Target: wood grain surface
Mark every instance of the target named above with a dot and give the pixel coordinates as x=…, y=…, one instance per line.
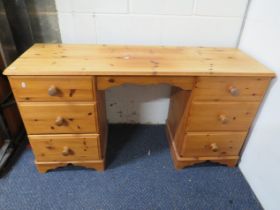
x=73, y=59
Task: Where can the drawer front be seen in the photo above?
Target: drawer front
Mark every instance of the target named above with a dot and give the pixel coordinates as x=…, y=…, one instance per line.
x=215, y=116
x=230, y=88
x=212, y=144
x=105, y=82
x=50, y=88
x=59, y=117
x=65, y=147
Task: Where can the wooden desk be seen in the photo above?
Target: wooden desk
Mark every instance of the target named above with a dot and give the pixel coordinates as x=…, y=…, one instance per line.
x=60, y=93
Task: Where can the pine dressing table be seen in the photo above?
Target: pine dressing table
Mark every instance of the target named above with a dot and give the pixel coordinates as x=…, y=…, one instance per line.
x=59, y=89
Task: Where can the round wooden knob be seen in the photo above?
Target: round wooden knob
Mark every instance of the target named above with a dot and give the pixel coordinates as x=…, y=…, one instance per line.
x=223, y=119
x=233, y=91
x=59, y=121
x=66, y=151
x=214, y=147
x=53, y=91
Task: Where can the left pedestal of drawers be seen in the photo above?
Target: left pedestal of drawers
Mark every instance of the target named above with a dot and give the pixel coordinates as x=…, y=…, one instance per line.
x=65, y=119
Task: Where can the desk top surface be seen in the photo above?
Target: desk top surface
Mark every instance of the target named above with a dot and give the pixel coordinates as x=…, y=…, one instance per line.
x=70, y=59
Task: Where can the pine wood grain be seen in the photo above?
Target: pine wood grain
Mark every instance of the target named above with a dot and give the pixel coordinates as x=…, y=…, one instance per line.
x=216, y=96
x=43, y=167
x=102, y=119
x=182, y=162
x=69, y=88
x=218, y=88
x=40, y=117
x=197, y=144
x=205, y=116
x=177, y=106
x=80, y=147
x=106, y=82
x=67, y=59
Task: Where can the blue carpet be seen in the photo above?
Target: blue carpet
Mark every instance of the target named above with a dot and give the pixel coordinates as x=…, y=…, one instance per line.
x=140, y=175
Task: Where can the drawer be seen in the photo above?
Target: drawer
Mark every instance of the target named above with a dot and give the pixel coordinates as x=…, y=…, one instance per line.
x=65, y=147
x=218, y=116
x=59, y=117
x=105, y=82
x=230, y=88
x=52, y=88
x=201, y=144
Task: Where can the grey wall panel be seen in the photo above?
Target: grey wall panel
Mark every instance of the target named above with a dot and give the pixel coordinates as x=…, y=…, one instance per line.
x=19, y=22
x=8, y=51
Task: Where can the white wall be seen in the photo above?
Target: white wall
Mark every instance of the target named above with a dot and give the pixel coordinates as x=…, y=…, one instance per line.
x=149, y=22
x=260, y=162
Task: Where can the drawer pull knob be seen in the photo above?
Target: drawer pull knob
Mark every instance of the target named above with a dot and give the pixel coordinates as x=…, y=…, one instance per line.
x=53, y=91
x=214, y=147
x=233, y=91
x=223, y=119
x=66, y=151
x=59, y=121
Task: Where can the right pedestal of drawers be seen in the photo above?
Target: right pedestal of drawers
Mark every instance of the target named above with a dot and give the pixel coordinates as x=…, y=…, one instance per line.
x=211, y=122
